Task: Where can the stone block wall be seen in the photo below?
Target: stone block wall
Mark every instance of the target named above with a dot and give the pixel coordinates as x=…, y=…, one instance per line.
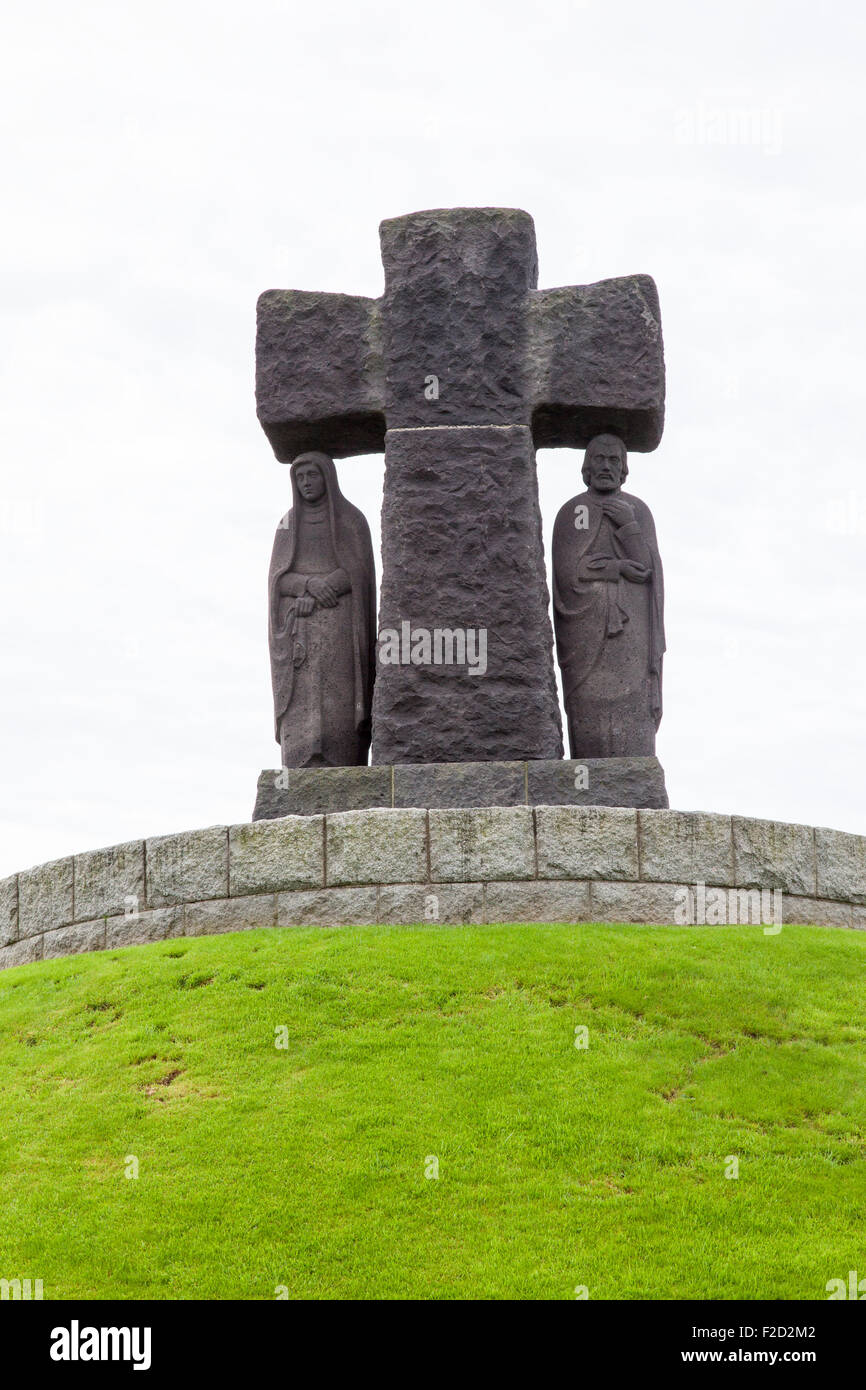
x=449, y=865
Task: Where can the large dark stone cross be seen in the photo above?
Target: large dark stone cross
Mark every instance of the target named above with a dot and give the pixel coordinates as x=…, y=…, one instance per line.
x=459, y=372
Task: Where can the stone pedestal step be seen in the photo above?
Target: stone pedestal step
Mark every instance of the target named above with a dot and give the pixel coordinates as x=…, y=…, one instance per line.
x=308, y=791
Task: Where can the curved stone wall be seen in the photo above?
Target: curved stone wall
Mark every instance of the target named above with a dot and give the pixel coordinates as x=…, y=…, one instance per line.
x=493, y=864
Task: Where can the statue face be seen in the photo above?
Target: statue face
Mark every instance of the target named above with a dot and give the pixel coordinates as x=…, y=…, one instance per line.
x=311, y=484
x=604, y=466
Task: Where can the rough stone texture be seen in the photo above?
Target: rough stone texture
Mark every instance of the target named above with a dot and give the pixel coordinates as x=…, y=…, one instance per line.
x=460, y=303
x=819, y=912
x=651, y=903
x=459, y=784
x=538, y=901
x=596, y=362
x=858, y=920
x=230, y=914
x=586, y=842
x=45, y=897
x=609, y=782
x=431, y=902
x=144, y=927
x=71, y=941
x=686, y=846
x=319, y=373
x=470, y=493
x=187, y=867
x=770, y=854
x=462, y=358
x=455, y=305
x=8, y=910
x=269, y=856
x=331, y=907
x=21, y=952
x=841, y=865
x=387, y=847
x=106, y=878
x=491, y=843
x=309, y=791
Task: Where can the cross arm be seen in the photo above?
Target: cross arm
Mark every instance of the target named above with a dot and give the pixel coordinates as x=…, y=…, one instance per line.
x=319, y=373
x=596, y=361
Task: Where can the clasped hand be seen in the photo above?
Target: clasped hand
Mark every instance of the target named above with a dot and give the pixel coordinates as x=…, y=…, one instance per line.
x=319, y=590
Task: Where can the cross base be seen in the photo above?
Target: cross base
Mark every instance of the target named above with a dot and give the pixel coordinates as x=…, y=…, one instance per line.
x=308, y=791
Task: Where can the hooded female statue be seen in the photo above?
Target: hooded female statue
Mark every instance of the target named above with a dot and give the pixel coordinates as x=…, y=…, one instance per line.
x=322, y=622
x=608, y=610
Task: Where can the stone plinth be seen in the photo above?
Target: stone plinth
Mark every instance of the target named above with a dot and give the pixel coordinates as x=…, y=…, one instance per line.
x=307, y=791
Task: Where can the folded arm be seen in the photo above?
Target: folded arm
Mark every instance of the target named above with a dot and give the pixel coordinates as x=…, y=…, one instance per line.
x=631, y=538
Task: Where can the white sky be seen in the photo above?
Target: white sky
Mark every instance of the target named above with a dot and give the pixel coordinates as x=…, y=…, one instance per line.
x=162, y=163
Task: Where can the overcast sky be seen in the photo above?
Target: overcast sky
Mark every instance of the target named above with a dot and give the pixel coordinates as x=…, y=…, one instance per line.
x=162, y=163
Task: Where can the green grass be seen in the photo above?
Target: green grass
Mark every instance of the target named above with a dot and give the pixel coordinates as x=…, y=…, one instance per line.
x=558, y=1166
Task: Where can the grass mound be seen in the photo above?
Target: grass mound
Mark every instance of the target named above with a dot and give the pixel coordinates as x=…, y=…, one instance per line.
x=287, y=1099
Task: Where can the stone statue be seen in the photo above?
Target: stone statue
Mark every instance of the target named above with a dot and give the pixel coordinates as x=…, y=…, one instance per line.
x=608, y=604
x=322, y=622
x=460, y=371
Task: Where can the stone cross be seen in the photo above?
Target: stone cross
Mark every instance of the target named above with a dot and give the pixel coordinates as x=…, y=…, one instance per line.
x=459, y=372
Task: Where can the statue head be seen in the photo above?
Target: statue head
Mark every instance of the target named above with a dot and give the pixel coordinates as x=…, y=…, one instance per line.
x=605, y=463
x=309, y=475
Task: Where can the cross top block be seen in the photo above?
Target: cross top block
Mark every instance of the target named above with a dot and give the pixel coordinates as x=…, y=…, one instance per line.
x=461, y=336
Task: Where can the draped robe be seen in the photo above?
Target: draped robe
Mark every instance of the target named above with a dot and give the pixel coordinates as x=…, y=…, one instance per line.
x=322, y=663
x=608, y=606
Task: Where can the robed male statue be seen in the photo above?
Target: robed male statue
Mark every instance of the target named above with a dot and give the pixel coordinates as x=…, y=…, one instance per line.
x=322, y=622
x=608, y=605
